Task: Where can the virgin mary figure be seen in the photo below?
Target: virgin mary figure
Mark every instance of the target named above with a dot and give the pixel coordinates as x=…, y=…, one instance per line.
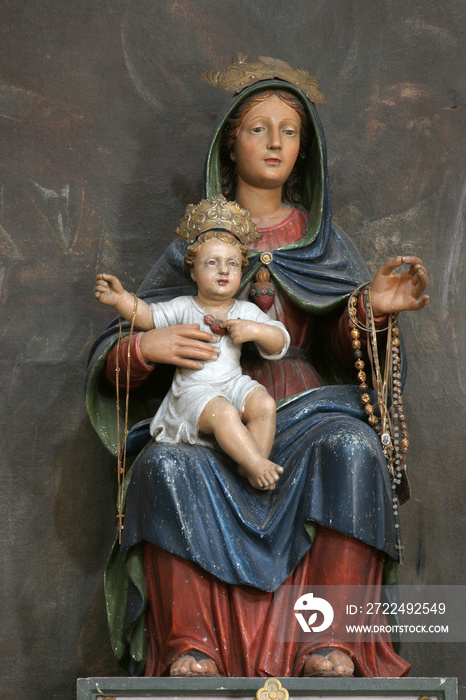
x=196, y=583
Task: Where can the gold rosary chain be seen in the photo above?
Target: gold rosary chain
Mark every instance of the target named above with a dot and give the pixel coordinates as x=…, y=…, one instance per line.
x=122, y=448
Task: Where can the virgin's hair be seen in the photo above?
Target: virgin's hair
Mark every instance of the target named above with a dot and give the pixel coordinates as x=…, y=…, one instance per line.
x=223, y=236
x=291, y=188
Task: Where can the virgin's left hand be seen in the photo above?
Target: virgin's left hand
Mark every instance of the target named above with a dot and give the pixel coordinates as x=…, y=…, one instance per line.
x=393, y=291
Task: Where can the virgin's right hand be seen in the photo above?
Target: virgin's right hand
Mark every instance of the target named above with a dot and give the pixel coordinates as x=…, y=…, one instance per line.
x=184, y=346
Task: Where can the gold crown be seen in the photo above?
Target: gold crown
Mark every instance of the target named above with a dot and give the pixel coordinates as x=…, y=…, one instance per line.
x=217, y=213
x=241, y=74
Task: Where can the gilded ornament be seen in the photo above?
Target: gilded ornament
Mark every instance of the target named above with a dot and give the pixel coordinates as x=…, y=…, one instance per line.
x=272, y=690
x=240, y=74
x=266, y=258
x=217, y=213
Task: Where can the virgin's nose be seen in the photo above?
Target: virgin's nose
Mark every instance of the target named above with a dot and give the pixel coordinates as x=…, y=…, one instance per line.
x=275, y=142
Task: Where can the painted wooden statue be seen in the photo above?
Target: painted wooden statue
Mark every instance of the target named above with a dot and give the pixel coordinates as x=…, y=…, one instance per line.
x=193, y=584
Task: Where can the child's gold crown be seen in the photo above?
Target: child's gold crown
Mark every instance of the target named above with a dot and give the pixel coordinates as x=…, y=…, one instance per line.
x=217, y=213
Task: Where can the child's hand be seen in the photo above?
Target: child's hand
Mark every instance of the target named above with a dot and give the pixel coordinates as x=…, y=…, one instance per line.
x=242, y=331
x=270, y=338
x=108, y=289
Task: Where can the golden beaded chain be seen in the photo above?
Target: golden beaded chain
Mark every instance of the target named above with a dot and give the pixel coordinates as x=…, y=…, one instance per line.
x=121, y=445
x=386, y=416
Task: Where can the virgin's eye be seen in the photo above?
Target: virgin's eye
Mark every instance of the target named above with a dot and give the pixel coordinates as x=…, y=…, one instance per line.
x=289, y=132
x=257, y=129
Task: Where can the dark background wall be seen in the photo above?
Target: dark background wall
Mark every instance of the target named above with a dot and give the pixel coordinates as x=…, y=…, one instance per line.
x=103, y=132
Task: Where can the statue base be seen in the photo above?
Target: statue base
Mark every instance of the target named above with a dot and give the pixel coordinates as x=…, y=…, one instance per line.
x=189, y=688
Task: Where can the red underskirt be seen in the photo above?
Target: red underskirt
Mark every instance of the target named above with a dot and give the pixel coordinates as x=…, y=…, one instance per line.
x=189, y=609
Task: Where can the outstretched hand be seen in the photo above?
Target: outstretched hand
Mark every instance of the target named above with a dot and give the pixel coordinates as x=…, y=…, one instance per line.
x=393, y=291
x=108, y=289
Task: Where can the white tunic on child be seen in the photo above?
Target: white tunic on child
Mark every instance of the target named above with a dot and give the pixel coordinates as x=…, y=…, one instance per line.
x=178, y=416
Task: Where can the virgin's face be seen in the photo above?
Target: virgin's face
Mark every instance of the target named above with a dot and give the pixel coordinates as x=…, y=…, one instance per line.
x=267, y=144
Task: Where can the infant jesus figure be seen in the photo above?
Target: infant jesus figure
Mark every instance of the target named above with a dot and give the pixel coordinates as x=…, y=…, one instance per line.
x=217, y=400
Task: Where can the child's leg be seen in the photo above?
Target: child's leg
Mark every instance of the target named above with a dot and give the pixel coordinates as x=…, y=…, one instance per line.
x=259, y=415
x=221, y=419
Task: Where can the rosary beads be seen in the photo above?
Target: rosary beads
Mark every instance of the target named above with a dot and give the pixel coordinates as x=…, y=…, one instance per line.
x=386, y=416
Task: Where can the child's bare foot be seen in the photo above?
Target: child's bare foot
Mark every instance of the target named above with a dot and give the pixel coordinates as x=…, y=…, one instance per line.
x=263, y=474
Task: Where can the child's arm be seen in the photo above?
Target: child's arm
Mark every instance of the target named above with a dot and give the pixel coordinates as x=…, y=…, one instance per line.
x=270, y=339
x=109, y=290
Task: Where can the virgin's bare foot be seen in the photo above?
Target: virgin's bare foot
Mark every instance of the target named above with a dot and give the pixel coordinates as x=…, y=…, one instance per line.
x=262, y=474
x=187, y=665
x=328, y=662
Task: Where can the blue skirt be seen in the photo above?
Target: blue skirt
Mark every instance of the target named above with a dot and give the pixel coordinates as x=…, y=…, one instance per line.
x=192, y=502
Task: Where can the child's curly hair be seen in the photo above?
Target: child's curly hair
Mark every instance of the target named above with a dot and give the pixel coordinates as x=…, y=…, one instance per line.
x=223, y=236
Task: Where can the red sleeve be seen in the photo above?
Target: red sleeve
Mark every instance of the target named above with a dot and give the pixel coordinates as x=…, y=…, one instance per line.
x=340, y=339
x=139, y=369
